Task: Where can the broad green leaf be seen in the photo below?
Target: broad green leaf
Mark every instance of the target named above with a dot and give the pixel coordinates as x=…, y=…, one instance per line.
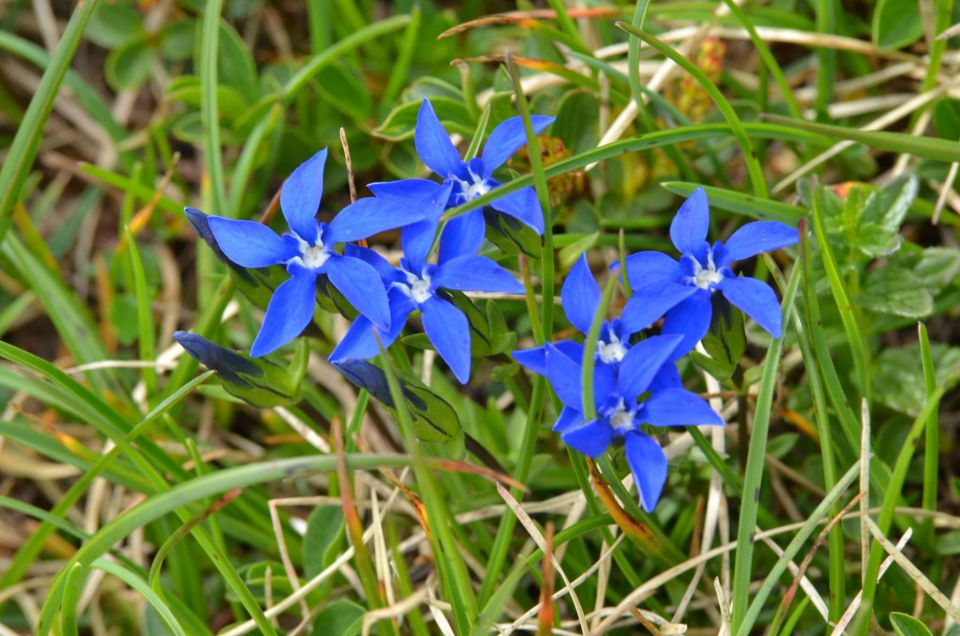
x=946, y=117
x=113, y=24
x=906, y=625
x=323, y=526
x=344, y=88
x=576, y=122
x=129, y=66
x=896, y=23
x=340, y=618
x=402, y=120
x=898, y=375
x=890, y=290
x=888, y=206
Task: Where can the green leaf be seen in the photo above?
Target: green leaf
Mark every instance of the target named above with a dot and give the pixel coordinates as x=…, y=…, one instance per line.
x=946, y=117
x=339, y=618
x=187, y=89
x=235, y=66
x=906, y=625
x=576, y=122
x=113, y=24
x=569, y=254
x=177, y=40
x=324, y=525
x=402, y=120
x=344, y=89
x=898, y=375
x=129, y=66
x=888, y=206
x=896, y=23
x=890, y=290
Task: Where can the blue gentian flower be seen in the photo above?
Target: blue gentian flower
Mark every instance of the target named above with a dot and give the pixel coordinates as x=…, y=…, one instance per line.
x=416, y=284
x=580, y=296
x=625, y=398
x=683, y=289
x=462, y=181
x=307, y=251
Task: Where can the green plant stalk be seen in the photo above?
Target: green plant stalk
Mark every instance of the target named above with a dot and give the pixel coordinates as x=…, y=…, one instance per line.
x=186, y=493
x=587, y=364
x=858, y=343
x=23, y=149
x=71, y=596
x=768, y=59
x=750, y=614
x=931, y=444
x=144, y=316
x=662, y=138
x=892, y=493
x=398, y=74
x=414, y=619
x=757, y=179
x=826, y=58
x=713, y=457
x=943, y=10
x=750, y=498
x=249, y=157
x=453, y=571
x=209, y=111
x=837, y=572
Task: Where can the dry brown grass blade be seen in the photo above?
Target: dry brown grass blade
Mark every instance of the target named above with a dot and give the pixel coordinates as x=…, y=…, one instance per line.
x=415, y=501
x=650, y=627
x=525, y=62
x=456, y=466
x=628, y=524
x=142, y=217
x=523, y=18
x=545, y=616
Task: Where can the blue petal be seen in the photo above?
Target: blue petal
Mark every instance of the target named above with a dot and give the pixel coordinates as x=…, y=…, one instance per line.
x=475, y=273
x=648, y=463
x=434, y=145
x=507, y=138
x=564, y=376
x=532, y=359
x=361, y=285
x=248, y=243
x=405, y=189
x=449, y=331
x=379, y=263
x=591, y=439
x=300, y=197
x=371, y=215
x=649, y=268
x=523, y=206
x=691, y=318
x=689, y=227
x=756, y=238
x=417, y=241
x=360, y=341
x=667, y=378
x=756, y=299
x=642, y=363
x=678, y=407
x=580, y=295
x=604, y=381
x=568, y=418
x=462, y=235
x=648, y=304
x=288, y=313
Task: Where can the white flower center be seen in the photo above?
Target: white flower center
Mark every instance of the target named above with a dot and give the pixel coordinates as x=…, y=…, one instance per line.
x=622, y=419
x=478, y=188
x=705, y=277
x=612, y=351
x=417, y=288
x=313, y=256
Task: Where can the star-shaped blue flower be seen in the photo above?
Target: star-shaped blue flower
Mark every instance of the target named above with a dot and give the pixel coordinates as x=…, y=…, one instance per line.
x=307, y=251
x=417, y=285
x=462, y=181
x=626, y=396
x=683, y=289
x=580, y=296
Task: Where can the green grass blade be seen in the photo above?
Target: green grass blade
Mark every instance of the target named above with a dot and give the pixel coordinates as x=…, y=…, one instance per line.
x=164, y=611
x=750, y=498
x=209, y=111
x=741, y=203
x=757, y=179
x=931, y=444
x=23, y=149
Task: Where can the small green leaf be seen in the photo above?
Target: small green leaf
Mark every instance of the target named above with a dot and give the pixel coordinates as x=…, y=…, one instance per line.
x=177, y=40
x=896, y=23
x=576, y=122
x=888, y=206
x=898, y=375
x=402, y=120
x=569, y=254
x=726, y=340
x=235, y=65
x=113, y=24
x=339, y=618
x=906, y=625
x=129, y=66
x=946, y=117
x=344, y=89
x=890, y=290
x=324, y=525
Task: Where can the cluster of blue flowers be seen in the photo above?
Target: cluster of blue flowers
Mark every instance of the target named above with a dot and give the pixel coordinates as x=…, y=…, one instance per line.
x=636, y=382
